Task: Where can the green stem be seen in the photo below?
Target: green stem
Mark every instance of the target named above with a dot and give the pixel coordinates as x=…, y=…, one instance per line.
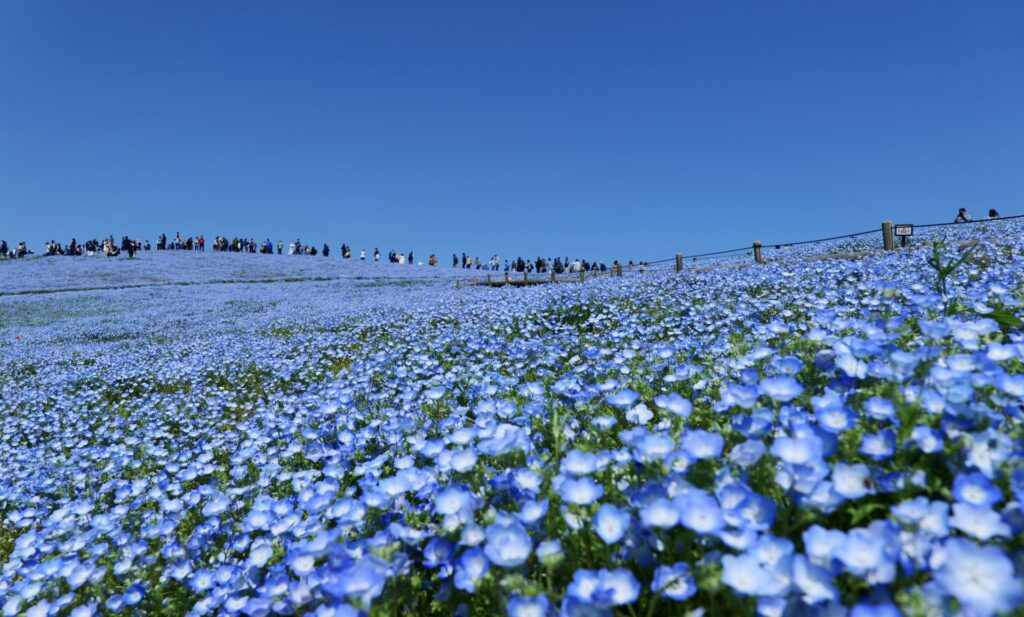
x=651, y=606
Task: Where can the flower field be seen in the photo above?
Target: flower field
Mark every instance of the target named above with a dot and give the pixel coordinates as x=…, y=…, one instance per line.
x=801, y=438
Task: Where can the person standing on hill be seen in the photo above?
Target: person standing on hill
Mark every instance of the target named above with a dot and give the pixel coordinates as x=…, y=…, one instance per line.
x=962, y=216
x=362, y=254
x=327, y=250
x=992, y=213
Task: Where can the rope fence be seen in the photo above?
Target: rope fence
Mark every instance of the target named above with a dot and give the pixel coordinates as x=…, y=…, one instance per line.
x=888, y=231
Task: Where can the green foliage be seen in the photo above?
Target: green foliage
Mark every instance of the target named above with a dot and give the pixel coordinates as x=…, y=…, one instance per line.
x=943, y=271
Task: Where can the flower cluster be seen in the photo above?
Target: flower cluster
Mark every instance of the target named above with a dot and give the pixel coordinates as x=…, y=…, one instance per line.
x=812, y=438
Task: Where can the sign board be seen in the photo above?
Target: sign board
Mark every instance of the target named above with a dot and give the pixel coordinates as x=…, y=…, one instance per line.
x=903, y=230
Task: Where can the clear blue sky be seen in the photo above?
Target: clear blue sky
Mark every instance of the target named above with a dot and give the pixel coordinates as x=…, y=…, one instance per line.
x=597, y=129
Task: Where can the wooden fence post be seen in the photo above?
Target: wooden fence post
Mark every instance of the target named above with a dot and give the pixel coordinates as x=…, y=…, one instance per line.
x=488, y=280
x=552, y=275
x=508, y=279
x=679, y=262
x=526, y=277
x=618, y=269
x=758, y=257
x=888, y=241
x=583, y=276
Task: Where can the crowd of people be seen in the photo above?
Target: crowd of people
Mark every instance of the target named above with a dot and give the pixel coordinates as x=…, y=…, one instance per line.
x=110, y=248
x=19, y=251
x=107, y=247
x=540, y=265
x=963, y=217
x=179, y=244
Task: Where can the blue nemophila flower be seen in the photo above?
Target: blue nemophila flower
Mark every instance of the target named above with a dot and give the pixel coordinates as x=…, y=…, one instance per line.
x=660, y=512
x=202, y=580
x=472, y=535
x=463, y=460
x=988, y=449
x=797, y=451
x=611, y=523
x=852, y=481
x=866, y=552
x=737, y=395
x=640, y=414
x=580, y=491
x=134, y=594
x=831, y=412
x=980, y=578
x=976, y=489
x=1011, y=384
x=699, y=512
x=471, y=567
x=879, y=446
x=455, y=500
x=747, y=453
x=623, y=399
x=437, y=553
x=745, y=574
x=528, y=606
x=301, y=562
x=579, y=463
x=932, y=517
x=815, y=583
x=879, y=408
x=505, y=439
x=674, y=404
x=532, y=511
x=981, y=522
x=674, y=582
x=780, y=389
x=362, y=579
x=549, y=551
x=928, y=439
x=217, y=504
x=527, y=480
x=701, y=444
x=604, y=588
x=508, y=545
x=652, y=447
x=787, y=365
x=754, y=511
x=82, y=610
